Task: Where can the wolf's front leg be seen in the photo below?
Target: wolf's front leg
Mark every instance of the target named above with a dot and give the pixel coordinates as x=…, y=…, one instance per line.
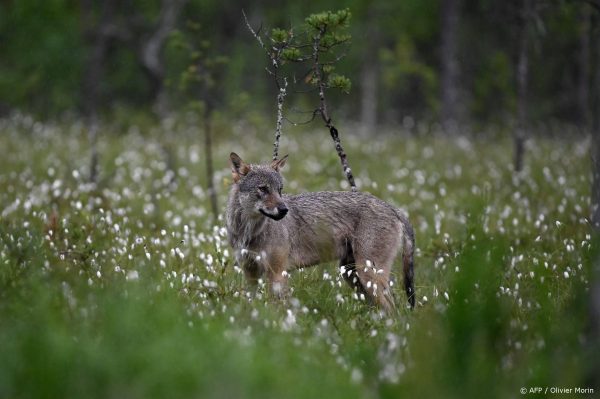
x=276, y=271
x=252, y=272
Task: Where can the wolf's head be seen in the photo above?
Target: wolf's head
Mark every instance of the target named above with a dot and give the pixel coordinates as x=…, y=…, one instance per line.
x=259, y=187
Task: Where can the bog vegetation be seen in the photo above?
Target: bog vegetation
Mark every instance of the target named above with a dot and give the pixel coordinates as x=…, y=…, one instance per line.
x=127, y=287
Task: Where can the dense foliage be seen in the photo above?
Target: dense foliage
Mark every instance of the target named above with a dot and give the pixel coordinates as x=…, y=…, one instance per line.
x=47, y=47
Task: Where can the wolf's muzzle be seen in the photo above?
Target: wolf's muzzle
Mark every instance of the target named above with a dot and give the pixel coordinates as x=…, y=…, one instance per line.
x=282, y=210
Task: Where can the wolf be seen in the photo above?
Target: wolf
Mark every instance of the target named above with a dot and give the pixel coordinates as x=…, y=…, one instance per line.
x=272, y=233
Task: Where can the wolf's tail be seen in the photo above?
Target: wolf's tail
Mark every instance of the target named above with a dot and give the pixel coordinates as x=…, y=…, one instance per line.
x=408, y=249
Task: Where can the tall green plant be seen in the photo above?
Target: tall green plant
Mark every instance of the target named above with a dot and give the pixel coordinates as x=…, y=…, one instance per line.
x=313, y=50
x=199, y=79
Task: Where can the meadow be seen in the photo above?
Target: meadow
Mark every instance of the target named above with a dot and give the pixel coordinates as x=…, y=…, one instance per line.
x=127, y=287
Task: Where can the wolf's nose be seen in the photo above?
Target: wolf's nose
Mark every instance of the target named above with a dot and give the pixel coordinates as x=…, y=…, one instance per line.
x=283, y=210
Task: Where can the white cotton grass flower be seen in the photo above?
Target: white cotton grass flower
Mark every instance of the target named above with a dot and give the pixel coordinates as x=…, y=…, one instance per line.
x=289, y=322
x=132, y=275
x=356, y=376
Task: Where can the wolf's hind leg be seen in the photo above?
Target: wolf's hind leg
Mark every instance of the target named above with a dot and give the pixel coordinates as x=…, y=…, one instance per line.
x=375, y=284
x=348, y=270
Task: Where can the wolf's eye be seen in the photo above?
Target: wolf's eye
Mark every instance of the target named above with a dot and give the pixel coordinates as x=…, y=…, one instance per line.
x=279, y=190
x=263, y=189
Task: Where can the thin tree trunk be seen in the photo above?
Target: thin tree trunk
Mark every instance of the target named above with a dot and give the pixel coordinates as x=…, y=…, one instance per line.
x=151, y=58
x=151, y=53
x=368, y=78
x=210, y=174
x=325, y=114
x=522, y=86
x=449, y=62
x=595, y=217
x=93, y=142
x=368, y=106
x=583, y=89
x=98, y=36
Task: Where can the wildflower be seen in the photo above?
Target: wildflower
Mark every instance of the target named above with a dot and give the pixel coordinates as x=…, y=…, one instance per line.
x=132, y=275
x=356, y=376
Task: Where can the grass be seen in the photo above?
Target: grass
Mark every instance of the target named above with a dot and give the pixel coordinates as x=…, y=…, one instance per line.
x=128, y=288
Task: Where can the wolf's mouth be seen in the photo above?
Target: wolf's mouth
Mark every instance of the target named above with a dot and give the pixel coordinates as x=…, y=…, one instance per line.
x=278, y=216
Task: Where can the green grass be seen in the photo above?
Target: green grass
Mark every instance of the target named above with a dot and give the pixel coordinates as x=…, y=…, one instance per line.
x=128, y=289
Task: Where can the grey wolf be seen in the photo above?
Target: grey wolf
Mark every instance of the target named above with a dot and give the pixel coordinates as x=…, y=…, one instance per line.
x=272, y=233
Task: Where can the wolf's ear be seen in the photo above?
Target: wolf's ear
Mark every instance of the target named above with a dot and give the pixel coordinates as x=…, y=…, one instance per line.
x=238, y=167
x=279, y=163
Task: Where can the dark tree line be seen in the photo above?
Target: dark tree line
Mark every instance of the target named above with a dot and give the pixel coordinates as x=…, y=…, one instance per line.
x=454, y=61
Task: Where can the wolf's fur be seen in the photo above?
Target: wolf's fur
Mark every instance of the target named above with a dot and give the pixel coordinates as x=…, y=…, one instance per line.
x=272, y=233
